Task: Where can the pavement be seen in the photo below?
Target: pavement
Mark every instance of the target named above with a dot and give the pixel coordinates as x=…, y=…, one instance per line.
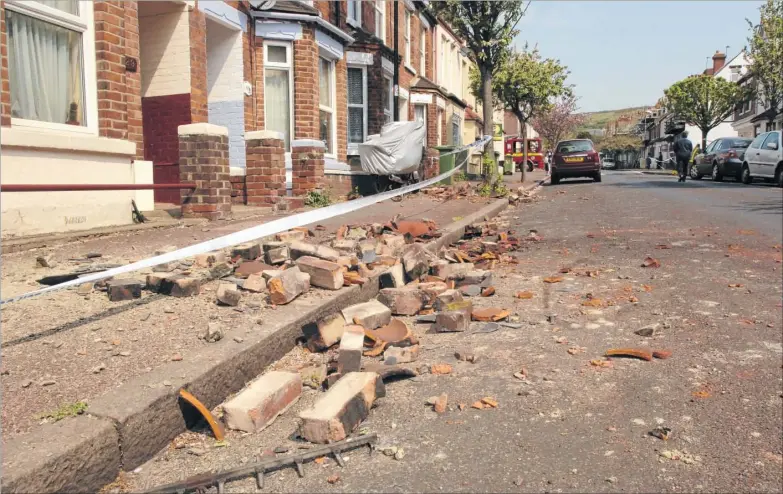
x=579, y=421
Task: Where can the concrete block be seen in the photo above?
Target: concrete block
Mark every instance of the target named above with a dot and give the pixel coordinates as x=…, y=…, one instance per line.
x=452, y=321
x=342, y=409
x=369, y=315
x=260, y=403
x=324, y=274
x=445, y=298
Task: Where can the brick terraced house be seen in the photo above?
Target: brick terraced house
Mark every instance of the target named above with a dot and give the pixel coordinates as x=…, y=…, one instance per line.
x=281, y=91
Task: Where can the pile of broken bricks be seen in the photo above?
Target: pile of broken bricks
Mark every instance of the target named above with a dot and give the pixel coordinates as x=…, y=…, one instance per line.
x=371, y=343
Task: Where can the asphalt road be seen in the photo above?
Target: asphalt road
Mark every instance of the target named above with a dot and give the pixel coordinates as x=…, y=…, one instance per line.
x=573, y=426
x=759, y=205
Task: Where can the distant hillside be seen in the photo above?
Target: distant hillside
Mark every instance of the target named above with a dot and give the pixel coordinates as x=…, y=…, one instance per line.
x=599, y=119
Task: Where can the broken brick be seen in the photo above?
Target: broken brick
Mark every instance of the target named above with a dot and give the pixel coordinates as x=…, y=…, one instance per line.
x=275, y=252
x=329, y=331
x=369, y=315
x=251, y=267
x=227, y=294
x=123, y=289
x=259, y=404
x=221, y=270
x=393, y=277
x=445, y=298
x=397, y=355
x=302, y=249
x=342, y=408
x=324, y=274
x=351, y=345
x=402, y=301
x=209, y=259
x=416, y=261
x=452, y=321
x=286, y=286
x=247, y=251
x=290, y=236
x=254, y=283
x=490, y=314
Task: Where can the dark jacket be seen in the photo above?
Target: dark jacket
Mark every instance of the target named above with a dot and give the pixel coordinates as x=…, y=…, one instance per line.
x=683, y=148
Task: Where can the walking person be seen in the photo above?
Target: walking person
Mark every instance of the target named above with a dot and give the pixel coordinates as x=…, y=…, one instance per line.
x=683, y=149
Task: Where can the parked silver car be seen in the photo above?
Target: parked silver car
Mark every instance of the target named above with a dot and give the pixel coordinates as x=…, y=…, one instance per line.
x=764, y=158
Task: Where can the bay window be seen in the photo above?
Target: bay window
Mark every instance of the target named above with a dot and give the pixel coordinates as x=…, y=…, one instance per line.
x=380, y=19
x=326, y=113
x=278, y=87
x=51, y=64
x=357, y=105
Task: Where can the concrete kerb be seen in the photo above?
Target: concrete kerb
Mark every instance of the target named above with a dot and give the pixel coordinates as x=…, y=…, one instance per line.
x=131, y=424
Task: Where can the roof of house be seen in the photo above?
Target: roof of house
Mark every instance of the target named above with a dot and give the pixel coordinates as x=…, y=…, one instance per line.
x=470, y=114
x=424, y=83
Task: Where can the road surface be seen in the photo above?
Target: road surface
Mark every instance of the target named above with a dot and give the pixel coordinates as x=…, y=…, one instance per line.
x=572, y=426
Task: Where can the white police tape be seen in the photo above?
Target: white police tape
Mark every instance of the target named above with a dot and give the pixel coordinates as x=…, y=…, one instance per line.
x=253, y=233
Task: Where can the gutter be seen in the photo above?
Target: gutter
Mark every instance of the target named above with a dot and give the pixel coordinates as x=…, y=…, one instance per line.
x=319, y=21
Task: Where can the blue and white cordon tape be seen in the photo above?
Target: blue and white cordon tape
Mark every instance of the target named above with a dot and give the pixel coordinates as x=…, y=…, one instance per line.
x=254, y=233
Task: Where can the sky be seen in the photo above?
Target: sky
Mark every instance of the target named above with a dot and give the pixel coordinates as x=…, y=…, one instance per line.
x=625, y=53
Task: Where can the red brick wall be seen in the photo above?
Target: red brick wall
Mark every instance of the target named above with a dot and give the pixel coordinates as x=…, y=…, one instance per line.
x=5, y=87
x=432, y=124
x=238, y=190
x=308, y=169
x=306, y=86
x=198, y=66
x=119, y=91
x=258, y=83
x=339, y=185
x=265, y=178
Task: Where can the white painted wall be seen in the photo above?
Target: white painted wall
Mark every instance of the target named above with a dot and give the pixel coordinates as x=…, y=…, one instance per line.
x=164, y=44
x=225, y=97
x=63, y=159
x=142, y=174
x=449, y=66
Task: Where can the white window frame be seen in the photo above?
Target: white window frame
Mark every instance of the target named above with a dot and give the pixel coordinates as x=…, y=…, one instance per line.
x=380, y=19
x=354, y=18
x=84, y=24
x=406, y=37
x=388, y=113
x=333, y=110
x=404, y=103
x=423, y=51
x=353, y=146
x=424, y=112
x=442, y=66
x=289, y=66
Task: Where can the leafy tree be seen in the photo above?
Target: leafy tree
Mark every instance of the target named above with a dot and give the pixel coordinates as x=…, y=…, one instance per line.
x=488, y=28
x=559, y=121
x=621, y=142
x=766, y=54
x=704, y=101
x=583, y=135
x=526, y=85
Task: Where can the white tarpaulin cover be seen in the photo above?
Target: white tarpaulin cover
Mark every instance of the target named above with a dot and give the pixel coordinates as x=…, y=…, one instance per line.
x=397, y=150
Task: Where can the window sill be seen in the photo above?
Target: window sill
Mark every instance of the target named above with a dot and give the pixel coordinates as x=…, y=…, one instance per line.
x=354, y=23
x=410, y=69
x=15, y=137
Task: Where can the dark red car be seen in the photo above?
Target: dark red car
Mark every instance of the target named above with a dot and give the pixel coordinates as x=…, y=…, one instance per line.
x=576, y=158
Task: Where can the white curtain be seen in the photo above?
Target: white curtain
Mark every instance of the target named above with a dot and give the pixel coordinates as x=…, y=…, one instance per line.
x=277, y=103
x=45, y=70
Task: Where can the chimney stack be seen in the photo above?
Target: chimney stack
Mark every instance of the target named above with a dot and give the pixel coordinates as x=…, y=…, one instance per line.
x=718, y=61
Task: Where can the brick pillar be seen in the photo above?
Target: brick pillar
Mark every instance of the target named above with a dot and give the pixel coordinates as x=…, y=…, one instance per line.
x=431, y=160
x=203, y=159
x=198, y=66
x=265, y=175
x=307, y=161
